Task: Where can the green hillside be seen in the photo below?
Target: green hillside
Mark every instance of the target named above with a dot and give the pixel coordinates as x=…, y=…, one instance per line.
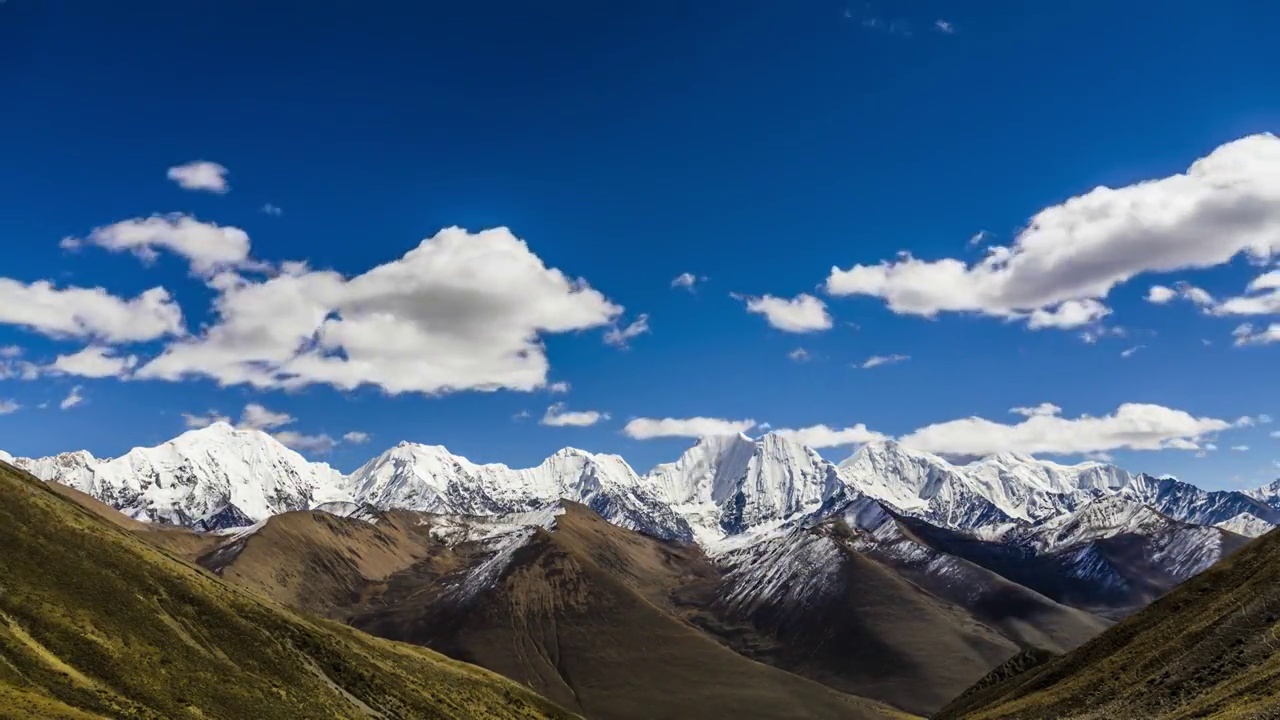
x=96, y=623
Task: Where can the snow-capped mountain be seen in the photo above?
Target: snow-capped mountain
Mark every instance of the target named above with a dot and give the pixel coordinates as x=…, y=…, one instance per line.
x=728, y=485
x=211, y=478
x=429, y=478
x=1188, y=503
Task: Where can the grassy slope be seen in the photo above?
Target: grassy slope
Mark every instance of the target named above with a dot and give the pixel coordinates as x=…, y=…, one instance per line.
x=1210, y=648
x=96, y=623
x=581, y=616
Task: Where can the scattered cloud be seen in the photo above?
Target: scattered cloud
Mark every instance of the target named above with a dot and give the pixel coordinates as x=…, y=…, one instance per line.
x=1133, y=426
x=355, y=437
x=1263, y=419
x=72, y=399
x=195, y=422
x=319, y=444
x=94, y=361
x=1240, y=448
x=8, y=352
x=200, y=175
x=821, y=436
x=1159, y=294
x=522, y=415
x=878, y=360
x=272, y=210
x=462, y=311
x=558, y=415
x=1247, y=334
x=1128, y=352
x=559, y=387
x=944, y=27
x=802, y=314
x=650, y=428
x=1262, y=297
x=688, y=281
x=1043, y=409
x=208, y=247
x=621, y=337
x=1226, y=204
x=89, y=312
x=799, y=355
x=979, y=238
x=257, y=417
x=8, y=407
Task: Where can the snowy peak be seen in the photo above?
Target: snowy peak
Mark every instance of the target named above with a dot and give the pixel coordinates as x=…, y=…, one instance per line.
x=731, y=484
x=1103, y=518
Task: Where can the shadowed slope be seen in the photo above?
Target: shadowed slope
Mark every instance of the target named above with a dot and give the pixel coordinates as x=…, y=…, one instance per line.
x=96, y=623
x=580, y=614
x=1210, y=648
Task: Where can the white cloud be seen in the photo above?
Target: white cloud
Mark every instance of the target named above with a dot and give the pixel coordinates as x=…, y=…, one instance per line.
x=209, y=247
x=801, y=314
x=200, y=175
x=821, y=436
x=199, y=421
x=9, y=352
x=306, y=443
x=558, y=416
x=1262, y=297
x=1247, y=334
x=94, y=361
x=979, y=238
x=1130, y=351
x=944, y=27
x=649, y=428
x=257, y=417
x=522, y=415
x=89, y=312
x=462, y=311
x=8, y=407
x=687, y=280
x=1133, y=426
x=1159, y=294
x=1068, y=315
x=1226, y=204
x=559, y=387
x=1042, y=409
x=619, y=337
x=11, y=366
x=878, y=360
x=1263, y=418
x=272, y=210
x=1240, y=448
x=355, y=437
x=799, y=355
x=72, y=399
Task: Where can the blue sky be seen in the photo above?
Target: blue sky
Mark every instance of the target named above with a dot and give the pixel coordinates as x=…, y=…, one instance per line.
x=756, y=149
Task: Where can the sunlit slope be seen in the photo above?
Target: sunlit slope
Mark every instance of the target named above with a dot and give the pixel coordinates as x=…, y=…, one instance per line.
x=94, y=622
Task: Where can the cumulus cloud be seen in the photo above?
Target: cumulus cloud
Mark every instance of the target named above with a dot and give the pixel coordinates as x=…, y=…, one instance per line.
x=200, y=175
x=94, y=361
x=801, y=314
x=558, y=415
x=822, y=436
x=1133, y=426
x=208, y=247
x=1159, y=294
x=620, y=337
x=89, y=312
x=650, y=428
x=8, y=407
x=355, y=437
x=462, y=311
x=72, y=399
x=1226, y=204
x=1247, y=334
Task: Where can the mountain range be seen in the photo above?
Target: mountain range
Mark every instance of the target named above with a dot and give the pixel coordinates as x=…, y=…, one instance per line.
x=892, y=577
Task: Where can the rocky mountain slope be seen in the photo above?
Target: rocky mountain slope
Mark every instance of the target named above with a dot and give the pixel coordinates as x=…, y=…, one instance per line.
x=96, y=623
x=1207, y=649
